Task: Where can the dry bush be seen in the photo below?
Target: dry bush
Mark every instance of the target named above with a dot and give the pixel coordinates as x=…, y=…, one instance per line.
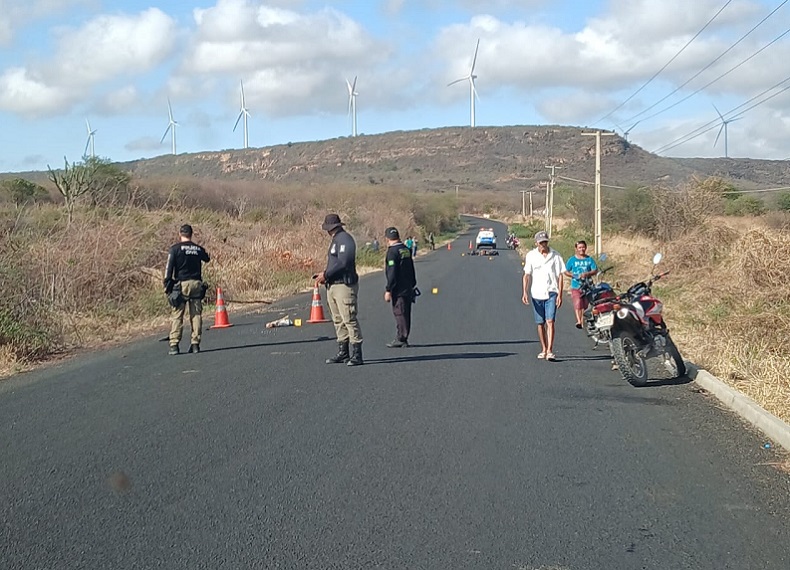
x=679, y=211
x=700, y=246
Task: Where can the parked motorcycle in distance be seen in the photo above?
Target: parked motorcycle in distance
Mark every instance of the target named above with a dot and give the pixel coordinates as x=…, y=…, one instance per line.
x=598, y=316
x=512, y=242
x=638, y=332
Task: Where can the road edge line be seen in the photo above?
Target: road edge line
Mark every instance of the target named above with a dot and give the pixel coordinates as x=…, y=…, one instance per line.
x=775, y=428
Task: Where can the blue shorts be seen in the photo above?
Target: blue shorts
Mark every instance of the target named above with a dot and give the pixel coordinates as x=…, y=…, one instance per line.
x=545, y=309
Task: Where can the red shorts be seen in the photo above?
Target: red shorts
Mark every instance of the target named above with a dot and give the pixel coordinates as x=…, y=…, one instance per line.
x=579, y=302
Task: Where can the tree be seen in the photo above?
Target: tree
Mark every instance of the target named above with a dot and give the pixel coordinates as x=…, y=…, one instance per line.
x=21, y=191
x=783, y=202
x=108, y=184
x=73, y=182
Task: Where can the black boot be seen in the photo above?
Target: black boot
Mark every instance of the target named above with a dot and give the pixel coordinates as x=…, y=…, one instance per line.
x=356, y=355
x=342, y=354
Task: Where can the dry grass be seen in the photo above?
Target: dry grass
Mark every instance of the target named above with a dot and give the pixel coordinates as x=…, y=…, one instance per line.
x=98, y=280
x=727, y=302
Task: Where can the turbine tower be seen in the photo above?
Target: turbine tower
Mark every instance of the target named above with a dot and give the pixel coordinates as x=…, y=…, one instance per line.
x=171, y=127
x=724, y=123
x=471, y=79
x=352, y=105
x=90, y=141
x=244, y=113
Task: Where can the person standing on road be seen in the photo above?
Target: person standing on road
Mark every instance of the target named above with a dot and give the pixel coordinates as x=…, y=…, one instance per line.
x=401, y=282
x=543, y=268
x=431, y=241
x=184, y=285
x=342, y=289
x=580, y=266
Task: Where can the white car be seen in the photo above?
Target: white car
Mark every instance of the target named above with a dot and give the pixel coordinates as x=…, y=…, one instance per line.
x=486, y=238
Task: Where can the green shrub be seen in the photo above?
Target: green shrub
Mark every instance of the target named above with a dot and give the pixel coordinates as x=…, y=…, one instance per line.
x=744, y=206
x=783, y=201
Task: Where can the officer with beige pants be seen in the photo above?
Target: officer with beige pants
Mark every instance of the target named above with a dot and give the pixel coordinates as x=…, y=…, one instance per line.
x=342, y=289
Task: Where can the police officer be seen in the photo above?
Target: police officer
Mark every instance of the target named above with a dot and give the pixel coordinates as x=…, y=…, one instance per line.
x=342, y=287
x=401, y=282
x=184, y=264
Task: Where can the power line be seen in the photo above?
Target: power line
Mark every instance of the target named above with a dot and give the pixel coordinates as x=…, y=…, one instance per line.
x=707, y=126
x=722, y=76
x=657, y=73
x=690, y=79
x=588, y=183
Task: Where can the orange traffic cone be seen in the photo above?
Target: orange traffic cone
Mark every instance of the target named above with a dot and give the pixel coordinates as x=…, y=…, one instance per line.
x=221, y=315
x=316, y=308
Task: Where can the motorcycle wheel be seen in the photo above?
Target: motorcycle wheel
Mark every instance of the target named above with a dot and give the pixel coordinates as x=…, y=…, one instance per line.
x=673, y=351
x=631, y=364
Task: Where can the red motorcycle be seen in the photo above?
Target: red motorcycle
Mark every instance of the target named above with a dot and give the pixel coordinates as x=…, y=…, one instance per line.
x=639, y=332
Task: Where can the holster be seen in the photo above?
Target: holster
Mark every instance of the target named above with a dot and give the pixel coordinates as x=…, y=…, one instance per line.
x=175, y=298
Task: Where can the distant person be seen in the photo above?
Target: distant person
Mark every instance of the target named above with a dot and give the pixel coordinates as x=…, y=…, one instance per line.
x=342, y=289
x=431, y=241
x=580, y=266
x=543, y=269
x=184, y=285
x=400, y=287
x=374, y=245
x=409, y=243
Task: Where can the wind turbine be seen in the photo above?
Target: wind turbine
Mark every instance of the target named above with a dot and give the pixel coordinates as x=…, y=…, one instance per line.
x=243, y=113
x=472, y=91
x=171, y=126
x=724, y=123
x=352, y=104
x=90, y=141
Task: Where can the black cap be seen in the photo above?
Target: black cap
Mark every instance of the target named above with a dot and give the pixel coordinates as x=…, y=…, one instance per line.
x=331, y=221
x=392, y=233
x=185, y=230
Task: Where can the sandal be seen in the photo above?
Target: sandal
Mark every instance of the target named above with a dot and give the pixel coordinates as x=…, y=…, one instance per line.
x=550, y=356
x=542, y=355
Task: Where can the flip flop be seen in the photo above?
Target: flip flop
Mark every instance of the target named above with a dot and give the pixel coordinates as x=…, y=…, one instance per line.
x=550, y=356
x=542, y=355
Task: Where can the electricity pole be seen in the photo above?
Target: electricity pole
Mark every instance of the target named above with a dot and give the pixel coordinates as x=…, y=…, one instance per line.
x=550, y=199
x=546, y=207
x=597, y=135
x=523, y=204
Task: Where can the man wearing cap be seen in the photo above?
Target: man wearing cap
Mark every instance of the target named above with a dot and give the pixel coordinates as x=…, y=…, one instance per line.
x=401, y=282
x=543, y=268
x=184, y=272
x=342, y=288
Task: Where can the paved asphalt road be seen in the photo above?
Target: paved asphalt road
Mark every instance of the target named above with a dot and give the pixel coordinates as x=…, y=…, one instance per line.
x=463, y=451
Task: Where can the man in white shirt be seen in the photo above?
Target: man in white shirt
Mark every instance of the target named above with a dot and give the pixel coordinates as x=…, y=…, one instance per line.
x=543, y=281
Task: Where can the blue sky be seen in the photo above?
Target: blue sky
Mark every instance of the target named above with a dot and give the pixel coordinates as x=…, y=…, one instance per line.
x=539, y=62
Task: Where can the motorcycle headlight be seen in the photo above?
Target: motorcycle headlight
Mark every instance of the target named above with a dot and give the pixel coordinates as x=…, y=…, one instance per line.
x=622, y=313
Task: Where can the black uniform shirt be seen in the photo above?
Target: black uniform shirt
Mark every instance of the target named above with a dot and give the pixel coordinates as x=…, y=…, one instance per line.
x=341, y=263
x=184, y=261
x=400, y=271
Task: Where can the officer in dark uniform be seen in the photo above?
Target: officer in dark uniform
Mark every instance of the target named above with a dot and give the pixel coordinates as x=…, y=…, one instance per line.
x=401, y=284
x=342, y=289
x=183, y=274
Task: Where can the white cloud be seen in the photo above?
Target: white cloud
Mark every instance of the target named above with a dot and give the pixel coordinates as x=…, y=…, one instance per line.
x=120, y=100
x=15, y=14
x=109, y=46
x=25, y=93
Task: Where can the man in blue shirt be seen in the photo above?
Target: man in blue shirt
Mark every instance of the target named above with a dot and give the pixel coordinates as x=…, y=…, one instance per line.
x=579, y=266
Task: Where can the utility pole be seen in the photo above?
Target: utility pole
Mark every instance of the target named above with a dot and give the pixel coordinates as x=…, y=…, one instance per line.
x=530, y=205
x=597, y=135
x=456, y=190
x=524, y=205
x=550, y=200
x=546, y=207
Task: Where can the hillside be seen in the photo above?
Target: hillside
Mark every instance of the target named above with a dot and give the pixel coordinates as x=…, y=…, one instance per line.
x=490, y=158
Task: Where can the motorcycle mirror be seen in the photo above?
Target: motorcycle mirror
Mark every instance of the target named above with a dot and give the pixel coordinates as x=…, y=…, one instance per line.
x=657, y=258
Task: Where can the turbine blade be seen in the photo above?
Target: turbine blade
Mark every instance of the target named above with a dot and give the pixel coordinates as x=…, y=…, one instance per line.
x=167, y=130
x=169, y=110
x=474, y=59
x=237, y=121
x=350, y=89
x=458, y=81
x=719, y=134
x=87, y=144
x=87, y=124
x=474, y=89
x=242, y=93
x=717, y=112
x=354, y=86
